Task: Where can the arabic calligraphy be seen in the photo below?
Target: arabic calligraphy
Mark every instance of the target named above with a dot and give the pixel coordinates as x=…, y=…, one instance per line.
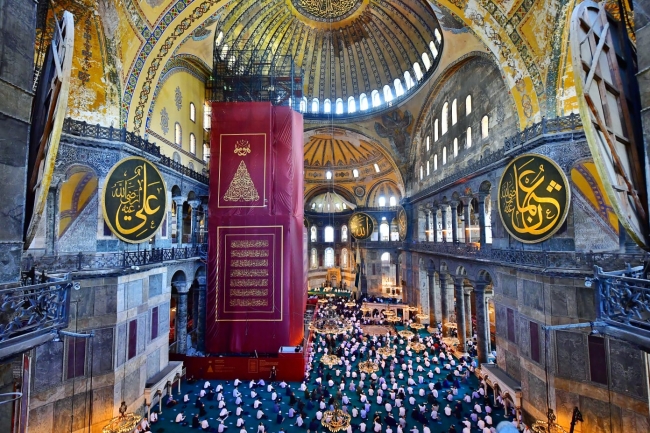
x=242, y=148
x=402, y=223
x=533, y=198
x=134, y=200
x=326, y=9
x=361, y=226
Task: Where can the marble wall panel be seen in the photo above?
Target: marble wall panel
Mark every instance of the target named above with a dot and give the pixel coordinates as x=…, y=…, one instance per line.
x=513, y=365
x=48, y=365
x=102, y=351
x=105, y=300
x=627, y=369
x=163, y=317
x=501, y=320
x=524, y=336
x=133, y=385
x=71, y=413
x=143, y=330
x=571, y=352
x=586, y=301
x=596, y=415
x=507, y=285
x=153, y=363
x=103, y=402
x=559, y=305
x=133, y=293
x=533, y=295
x=121, y=344
x=536, y=391
x=155, y=285
x=41, y=419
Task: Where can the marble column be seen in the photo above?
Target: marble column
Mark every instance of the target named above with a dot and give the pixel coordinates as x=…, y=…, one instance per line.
x=432, y=299
x=200, y=325
x=443, y=210
x=194, y=204
x=481, y=219
x=179, y=220
x=50, y=220
x=460, y=311
x=434, y=212
x=468, y=220
x=482, y=336
x=467, y=294
x=454, y=221
x=181, y=317
x=446, y=302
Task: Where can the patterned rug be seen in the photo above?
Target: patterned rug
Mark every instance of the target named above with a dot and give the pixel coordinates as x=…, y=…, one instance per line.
x=377, y=330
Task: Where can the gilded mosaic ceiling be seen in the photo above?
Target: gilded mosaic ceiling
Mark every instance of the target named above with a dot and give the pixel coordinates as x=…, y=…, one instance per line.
x=326, y=10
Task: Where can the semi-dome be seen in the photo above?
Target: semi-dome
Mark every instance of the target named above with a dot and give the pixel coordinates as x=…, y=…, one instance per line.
x=357, y=56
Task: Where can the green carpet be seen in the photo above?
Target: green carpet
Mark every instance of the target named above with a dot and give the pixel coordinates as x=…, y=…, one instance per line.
x=166, y=422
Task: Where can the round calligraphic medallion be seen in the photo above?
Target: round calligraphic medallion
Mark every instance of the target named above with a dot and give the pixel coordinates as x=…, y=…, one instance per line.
x=134, y=200
x=361, y=226
x=402, y=223
x=533, y=198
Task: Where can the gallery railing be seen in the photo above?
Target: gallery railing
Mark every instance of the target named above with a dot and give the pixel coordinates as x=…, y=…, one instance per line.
x=112, y=260
x=624, y=303
x=83, y=129
x=29, y=314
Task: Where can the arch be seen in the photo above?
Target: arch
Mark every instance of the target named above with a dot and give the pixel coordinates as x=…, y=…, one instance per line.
x=218, y=39
x=485, y=124
x=392, y=202
x=454, y=112
x=444, y=155
x=485, y=187
x=178, y=278
x=421, y=172
x=428, y=169
x=178, y=134
x=190, y=165
x=344, y=258
x=385, y=188
x=355, y=173
x=381, y=201
x=176, y=157
x=468, y=105
x=484, y=276
x=438, y=35
x=314, y=105
x=339, y=106
x=384, y=231
x=469, y=137
x=418, y=71
x=399, y=90
x=314, y=236
x=303, y=105
x=363, y=102
x=352, y=105
x=327, y=106
x=192, y=112
x=176, y=191
x=385, y=257
x=428, y=143
x=328, y=261
x=192, y=143
x=408, y=80
x=426, y=61
x=313, y=258
x=435, y=162
x=455, y=147
x=376, y=99
x=344, y=233
x=445, y=118
x=435, y=130
x=388, y=93
x=329, y=234
x=206, y=153
x=434, y=49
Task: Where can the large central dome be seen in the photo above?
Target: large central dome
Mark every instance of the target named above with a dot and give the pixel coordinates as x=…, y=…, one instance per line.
x=326, y=10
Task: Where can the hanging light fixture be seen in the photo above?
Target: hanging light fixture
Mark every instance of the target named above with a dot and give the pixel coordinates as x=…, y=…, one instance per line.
x=124, y=423
x=548, y=426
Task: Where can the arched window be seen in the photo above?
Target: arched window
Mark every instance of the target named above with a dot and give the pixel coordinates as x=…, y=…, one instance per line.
x=388, y=93
x=190, y=165
x=329, y=234
x=207, y=116
x=303, y=105
x=433, y=49
x=176, y=157
x=178, y=134
x=435, y=130
x=192, y=112
x=381, y=201
x=421, y=173
x=435, y=162
x=428, y=143
x=438, y=36
x=327, y=106
x=363, y=102
x=454, y=112
x=469, y=137
x=417, y=70
x=355, y=173
x=408, y=80
x=339, y=106
x=219, y=39
x=399, y=90
x=445, y=117
x=444, y=155
x=484, y=127
x=224, y=51
x=329, y=257
x=352, y=105
x=313, y=234
x=344, y=233
x=392, y=202
x=468, y=105
x=426, y=61
x=384, y=231
x=385, y=258
x=428, y=172
x=328, y=175
x=314, y=105
x=313, y=261
x=455, y=147
x=206, y=153
x=344, y=258
x=376, y=167
x=376, y=100
x=192, y=144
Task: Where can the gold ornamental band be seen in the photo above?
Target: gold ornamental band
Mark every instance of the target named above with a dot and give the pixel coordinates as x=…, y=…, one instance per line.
x=249, y=244
x=249, y=302
x=249, y=263
x=249, y=293
x=249, y=253
x=249, y=273
x=248, y=282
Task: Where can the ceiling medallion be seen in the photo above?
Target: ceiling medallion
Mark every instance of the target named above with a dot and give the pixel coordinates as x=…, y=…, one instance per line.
x=325, y=10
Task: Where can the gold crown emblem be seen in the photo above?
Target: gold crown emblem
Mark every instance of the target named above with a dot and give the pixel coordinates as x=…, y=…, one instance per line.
x=242, y=148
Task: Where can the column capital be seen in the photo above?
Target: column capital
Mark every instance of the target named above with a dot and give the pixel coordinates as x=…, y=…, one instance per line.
x=481, y=196
x=466, y=200
x=179, y=200
x=202, y=280
x=194, y=203
x=454, y=203
x=181, y=287
x=459, y=279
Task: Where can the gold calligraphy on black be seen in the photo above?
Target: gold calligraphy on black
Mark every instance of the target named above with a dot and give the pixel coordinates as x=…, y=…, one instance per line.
x=134, y=200
x=361, y=226
x=533, y=198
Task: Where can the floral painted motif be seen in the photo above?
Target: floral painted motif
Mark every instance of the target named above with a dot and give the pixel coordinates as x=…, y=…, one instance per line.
x=179, y=99
x=164, y=121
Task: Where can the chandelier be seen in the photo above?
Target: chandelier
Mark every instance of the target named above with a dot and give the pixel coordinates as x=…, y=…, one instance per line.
x=548, y=426
x=368, y=367
x=336, y=420
x=394, y=319
x=330, y=323
x=386, y=351
x=405, y=333
x=330, y=360
x=350, y=304
x=417, y=347
x=389, y=313
x=323, y=301
x=421, y=316
x=124, y=423
x=417, y=326
x=365, y=309
x=451, y=325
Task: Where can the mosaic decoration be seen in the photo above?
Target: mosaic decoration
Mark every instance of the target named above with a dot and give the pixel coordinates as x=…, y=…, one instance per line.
x=164, y=120
x=178, y=98
x=359, y=191
x=327, y=10
x=395, y=127
x=83, y=74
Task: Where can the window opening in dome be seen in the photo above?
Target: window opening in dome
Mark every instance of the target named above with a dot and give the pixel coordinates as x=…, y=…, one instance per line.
x=345, y=206
x=418, y=71
x=428, y=144
x=435, y=162
x=339, y=106
x=435, y=130
x=363, y=102
x=352, y=105
x=313, y=234
x=355, y=173
x=454, y=112
x=426, y=61
x=469, y=137
x=303, y=105
x=384, y=232
x=444, y=155
x=445, y=115
x=438, y=35
x=344, y=233
x=484, y=127
x=376, y=100
x=219, y=39
x=329, y=257
x=192, y=144
x=337, y=206
x=377, y=167
x=178, y=134
x=421, y=173
x=468, y=105
x=313, y=205
x=224, y=51
x=206, y=153
x=399, y=90
x=192, y=112
x=231, y=62
x=434, y=50
x=381, y=201
x=392, y=201
x=327, y=106
x=408, y=80
x=314, y=105
x=455, y=147
x=388, y=93
x=328, y=175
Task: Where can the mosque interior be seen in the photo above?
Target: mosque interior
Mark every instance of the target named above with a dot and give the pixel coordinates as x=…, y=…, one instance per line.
x=427, y=120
